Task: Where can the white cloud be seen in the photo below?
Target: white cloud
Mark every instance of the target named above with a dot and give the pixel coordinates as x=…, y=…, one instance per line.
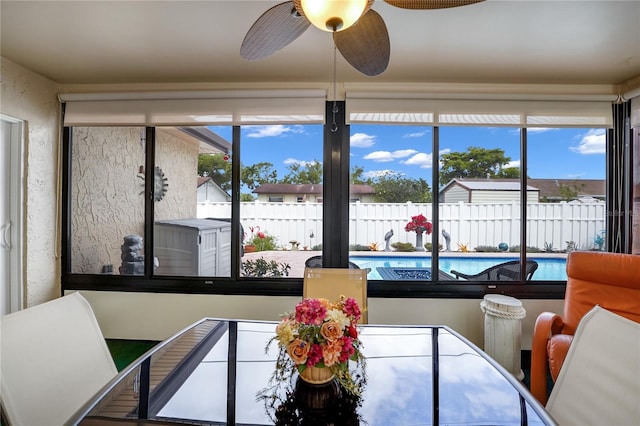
x=514, y=163
x=272, y=130
x=302, y=163
x=383, y=156
x=362, y=140
x=594, y=142
x=379, y=156
x=533, y=130
x=540, y=129
x=416, y=134
x=378, y=173
x=421, y=159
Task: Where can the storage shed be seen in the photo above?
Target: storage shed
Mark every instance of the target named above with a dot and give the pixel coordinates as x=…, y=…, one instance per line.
x=485, y=191
x=193, y=247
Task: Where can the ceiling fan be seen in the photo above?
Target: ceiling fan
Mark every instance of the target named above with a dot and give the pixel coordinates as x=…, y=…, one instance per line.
x=359, y=32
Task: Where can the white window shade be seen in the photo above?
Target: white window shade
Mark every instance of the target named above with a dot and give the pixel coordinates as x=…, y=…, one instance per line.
x=224, y=107
x=635, y=112
x=385, y=108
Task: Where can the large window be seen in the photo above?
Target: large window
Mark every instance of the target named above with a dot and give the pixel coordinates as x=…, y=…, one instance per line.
x=243, y=207
x=107, y=200
x=480, y=196
x=281, y=188
x=391, y=168
x=192, y=203
x=567, y=167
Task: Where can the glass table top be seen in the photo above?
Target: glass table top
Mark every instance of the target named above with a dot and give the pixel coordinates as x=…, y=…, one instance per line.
x=416, y=375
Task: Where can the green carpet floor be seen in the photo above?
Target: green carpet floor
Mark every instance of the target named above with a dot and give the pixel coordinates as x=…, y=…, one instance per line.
x=124, y=352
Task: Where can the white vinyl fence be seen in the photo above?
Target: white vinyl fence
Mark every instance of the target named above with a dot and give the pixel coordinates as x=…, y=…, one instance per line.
x=471, y=224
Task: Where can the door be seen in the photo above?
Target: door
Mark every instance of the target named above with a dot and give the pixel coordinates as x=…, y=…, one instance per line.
x=11, y=180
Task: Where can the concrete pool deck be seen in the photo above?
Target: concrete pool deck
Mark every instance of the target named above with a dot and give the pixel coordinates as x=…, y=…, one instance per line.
x=296, y=258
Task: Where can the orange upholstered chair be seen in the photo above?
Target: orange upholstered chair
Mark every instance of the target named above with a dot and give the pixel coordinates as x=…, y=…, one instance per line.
x=611, y=280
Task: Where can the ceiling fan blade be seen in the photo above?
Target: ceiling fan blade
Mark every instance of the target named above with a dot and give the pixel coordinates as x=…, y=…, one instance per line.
x=430, y=4
x=272, y=31
x=366, y=45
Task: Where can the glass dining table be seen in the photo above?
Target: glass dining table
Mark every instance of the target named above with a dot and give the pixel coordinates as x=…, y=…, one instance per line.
x=218, y=372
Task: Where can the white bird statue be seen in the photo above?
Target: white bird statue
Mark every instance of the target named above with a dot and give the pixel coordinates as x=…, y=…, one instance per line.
x=387, y=237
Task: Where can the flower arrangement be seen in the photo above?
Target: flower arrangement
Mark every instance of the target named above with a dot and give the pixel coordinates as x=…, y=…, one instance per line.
x=322, y=334
x=419, y=224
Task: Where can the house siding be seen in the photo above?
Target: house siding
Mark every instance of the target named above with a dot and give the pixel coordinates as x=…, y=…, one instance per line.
x=291, y=198
x=501, y=196
x=456, y=194
x=210, y=192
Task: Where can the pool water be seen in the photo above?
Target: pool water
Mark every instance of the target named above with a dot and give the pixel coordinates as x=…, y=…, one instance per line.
x=549, y=269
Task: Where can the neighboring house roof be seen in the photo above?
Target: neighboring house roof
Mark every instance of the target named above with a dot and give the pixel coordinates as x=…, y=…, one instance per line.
x=306, y=188
x=204, y=179
x=487, y=185
x=550, y=188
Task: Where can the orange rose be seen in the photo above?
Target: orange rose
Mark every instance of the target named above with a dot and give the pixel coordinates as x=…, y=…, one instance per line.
x=298, y=351
x=331, y=352
x=325, y=303
x=331, y=330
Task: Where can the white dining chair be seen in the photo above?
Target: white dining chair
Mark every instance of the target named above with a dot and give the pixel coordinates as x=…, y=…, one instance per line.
x=54, y=358
x=599, y=383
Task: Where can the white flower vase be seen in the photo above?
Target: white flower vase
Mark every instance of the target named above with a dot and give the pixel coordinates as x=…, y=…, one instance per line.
x=419, y=245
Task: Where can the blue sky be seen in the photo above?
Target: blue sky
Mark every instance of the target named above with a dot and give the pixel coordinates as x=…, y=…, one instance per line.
x=553, y=153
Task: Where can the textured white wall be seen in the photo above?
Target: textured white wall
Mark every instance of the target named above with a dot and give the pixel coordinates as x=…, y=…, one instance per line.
x=178, y=159
x=106, y=199
x=30, y=97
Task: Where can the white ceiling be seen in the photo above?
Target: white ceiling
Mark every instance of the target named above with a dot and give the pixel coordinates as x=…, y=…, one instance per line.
x=517, y=42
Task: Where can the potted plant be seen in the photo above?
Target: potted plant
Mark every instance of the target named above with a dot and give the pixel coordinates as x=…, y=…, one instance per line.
x=419, y=224
x=259, y=241
x=318, y=340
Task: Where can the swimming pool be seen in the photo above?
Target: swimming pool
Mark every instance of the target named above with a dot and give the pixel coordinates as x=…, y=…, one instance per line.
x=549, y=269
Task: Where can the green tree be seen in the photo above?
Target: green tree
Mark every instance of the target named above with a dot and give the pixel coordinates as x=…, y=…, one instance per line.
x=217, y=168
x=476, y=163
x=257, y=174
x=392, y=188
x=356, y=175
x=570, y=192
x=509, y=173
x=310, y=172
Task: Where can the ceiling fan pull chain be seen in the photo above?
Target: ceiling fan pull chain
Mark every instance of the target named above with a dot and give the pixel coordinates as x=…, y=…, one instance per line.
x=334, y=125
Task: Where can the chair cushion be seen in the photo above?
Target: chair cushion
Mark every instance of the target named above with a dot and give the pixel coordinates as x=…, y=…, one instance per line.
x=54, y=359
x=598, y=383
x=557, y=348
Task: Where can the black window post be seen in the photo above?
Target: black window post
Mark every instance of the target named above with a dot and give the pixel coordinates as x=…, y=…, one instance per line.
x=335, y=188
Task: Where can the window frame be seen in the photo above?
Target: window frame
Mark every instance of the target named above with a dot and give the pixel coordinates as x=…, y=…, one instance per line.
x=335, y=200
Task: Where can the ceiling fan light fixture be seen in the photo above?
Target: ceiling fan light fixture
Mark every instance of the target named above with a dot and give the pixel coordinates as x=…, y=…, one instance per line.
x=332, y=15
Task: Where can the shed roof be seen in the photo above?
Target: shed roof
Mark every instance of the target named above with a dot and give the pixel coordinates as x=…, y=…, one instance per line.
x=488, y=185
